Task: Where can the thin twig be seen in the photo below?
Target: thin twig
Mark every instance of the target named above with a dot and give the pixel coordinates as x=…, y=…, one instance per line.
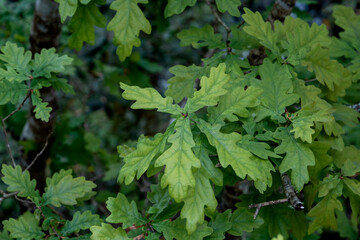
x=218, y=18
x=6, y=195
x=39, y=154
x=263, y=204
x=23, y=200
x=4, y=127
x=311, y=80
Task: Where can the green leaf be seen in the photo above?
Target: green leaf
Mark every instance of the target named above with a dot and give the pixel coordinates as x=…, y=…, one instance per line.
x=42, y=111
x=346, y=230
x=259, y=149
x=348, y=160
x=25, y=227
x=298, y=157
x=159, y=197
x=346, y=18
x=127, y=23
x=212, y=88
x=179, y=160
x=260, y=29
x=302, y=38
x=329, y=183
x=240, y=160
x=328, y=72
x=200, y=196
x=123, y=212
x=176, y=229
x=81, y=221
x=11, y=91
x=182, y=84
x=339, y=48
x=82, y=25
x=149, y=98
x=353, y=185
x=220, y=225
x=235, y=103
x=229, y=5
x=305, y=118
x=324, y=213
x=67, y=8
x=277, y=86
x=107, y=232
x=62, y=188
x=11, y=75
x=177, y=6
x=18, y=181
x=61, y=84
x=243, y=221
x=200, y=37
x=16, y=58
x=48, y=62
x=202, y=151
x=139, y=160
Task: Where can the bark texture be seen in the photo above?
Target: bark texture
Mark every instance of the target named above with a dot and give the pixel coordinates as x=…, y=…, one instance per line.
x=45, y=33
x=280, y=10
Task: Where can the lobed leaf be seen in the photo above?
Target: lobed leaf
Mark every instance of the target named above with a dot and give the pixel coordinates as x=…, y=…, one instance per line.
x=16, y=58
x=346, y=18
x=212, y=88
x=25, y=227
x=18, y=181
x=240, y=160
x=243, y=221
x=82, y=25
x=200, y=37
x=277, y=90
x=107, y=232
x=139, y=160
x=220, y=224
x=179, y=160
x=182, y=83
x=298, y=157
x=123, y=212
x=48, y=62
x=42, y=111
x=260, y=29
x=67, y=8
x=80, y=221
x=127, y=23
x=176, y=229
x=324, y=213
x=328, y=72
x=305, y=118
x=63, y=189
x=234, y=103
x=149, y=98
x=231, y=6
x=177, y=6
x=11, y=91
x=201, y=195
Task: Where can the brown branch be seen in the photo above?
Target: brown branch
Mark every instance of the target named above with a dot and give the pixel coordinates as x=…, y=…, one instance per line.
x=280, y=10
x=263, y=204
x=39, y=153
x=218, y=18
x=4, y=126
x=310, y=80
x=6, y=195
x=291, y=193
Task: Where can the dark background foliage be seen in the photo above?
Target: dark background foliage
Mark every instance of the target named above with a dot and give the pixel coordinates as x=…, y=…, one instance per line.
x=91, y=123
